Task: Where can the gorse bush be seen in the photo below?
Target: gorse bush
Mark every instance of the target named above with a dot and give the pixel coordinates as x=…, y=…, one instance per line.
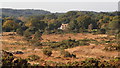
x=37, y=44
x=9, y=61
x=33, y=57
x=67, y=54
x=67, y=44
x=101, y=31
x=20, y=31
x=112, y=48
x=94, y=63
x=47, y=52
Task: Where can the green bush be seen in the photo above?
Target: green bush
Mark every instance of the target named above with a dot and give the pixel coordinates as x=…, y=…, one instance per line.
x=33, y=57
x=102, y=31
x=67, y=44
x=47, y=52
x=112, y=48
x=9, y=61
x=20, y=31
x=37, y=44
x=90, y=62
x=67, y=54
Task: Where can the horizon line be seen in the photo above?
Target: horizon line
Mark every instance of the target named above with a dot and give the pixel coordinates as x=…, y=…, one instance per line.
x=56, y=11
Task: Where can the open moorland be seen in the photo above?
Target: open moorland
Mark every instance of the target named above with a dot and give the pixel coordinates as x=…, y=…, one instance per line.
x=94, y=49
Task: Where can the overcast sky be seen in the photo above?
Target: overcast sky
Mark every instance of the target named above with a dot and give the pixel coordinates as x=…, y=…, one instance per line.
x=64, y=6
x=59, y=0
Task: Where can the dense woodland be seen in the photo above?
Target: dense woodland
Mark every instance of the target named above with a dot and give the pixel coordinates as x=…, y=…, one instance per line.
x=46, y=22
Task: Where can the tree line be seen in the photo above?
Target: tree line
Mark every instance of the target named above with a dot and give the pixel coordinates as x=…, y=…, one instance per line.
x=78, y=21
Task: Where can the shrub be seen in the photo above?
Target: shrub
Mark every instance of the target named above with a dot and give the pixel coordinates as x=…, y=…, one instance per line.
x=112, y=48
x=47, y=52
x=19, y=31
x=90, y=62
x=18, y=52
x=33, y=57
x=27, y=35
x=9, y=61
x=67, y=54
x=37, y=44
x=67, y=44
x=102, y=31
x=22, y=63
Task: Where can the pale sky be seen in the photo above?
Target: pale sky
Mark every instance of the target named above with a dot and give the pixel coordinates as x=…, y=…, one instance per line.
x=64, y=6
x=59, y=0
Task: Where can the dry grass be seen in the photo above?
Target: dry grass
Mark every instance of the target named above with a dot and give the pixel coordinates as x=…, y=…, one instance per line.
x=81, y=52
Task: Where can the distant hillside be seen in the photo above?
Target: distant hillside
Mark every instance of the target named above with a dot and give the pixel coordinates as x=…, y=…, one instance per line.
x=22, y=12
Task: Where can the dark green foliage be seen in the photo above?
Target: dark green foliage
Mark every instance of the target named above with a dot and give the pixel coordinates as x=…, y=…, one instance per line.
x=115, y=46
x=67, y=54
x=20, y=31
x=78, y=21
x=58, y=31
x=74, y=26
x=27, y=35
x=32, y=30
x=19, y=52
x=37, y=36
x=33, y=57
x=9, y=61
x=114, y=25
x=51, y=16
x=90, y=62
x=67, y=44
x=47, y=52
x=112, y=48
x=84, y=21
x=10, y=25
x=118, y=38
x=36, y=40
x=53, y=25
x=37, y=43
x=41, y=25
x=21, y=63
x=27, y=12
x=95, y=63
x=101, y=31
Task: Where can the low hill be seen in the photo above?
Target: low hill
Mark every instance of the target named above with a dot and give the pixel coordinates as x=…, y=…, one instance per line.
x=22, y=12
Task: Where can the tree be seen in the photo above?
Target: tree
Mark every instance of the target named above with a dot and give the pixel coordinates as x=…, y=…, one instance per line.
x=114, y=25
x=84, y=21
x=27, y=35
x=73, y=26
x=102, y=31
x=20, y=31
x=53, y=26
x=37, y=36
x=37, y=24
x=51, y=16
x=71, y=13
x=10, y=25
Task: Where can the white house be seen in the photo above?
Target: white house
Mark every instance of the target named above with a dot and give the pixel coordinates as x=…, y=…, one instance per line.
x=63, y=26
